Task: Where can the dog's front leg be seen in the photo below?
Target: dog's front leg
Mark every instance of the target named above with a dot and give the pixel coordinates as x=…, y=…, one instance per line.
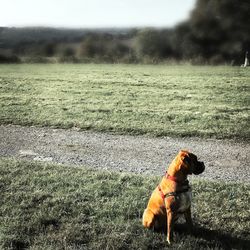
x=170, y=221
x=188, y=218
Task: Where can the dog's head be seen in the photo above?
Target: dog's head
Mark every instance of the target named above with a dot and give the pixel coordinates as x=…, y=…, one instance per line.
x=190, y=163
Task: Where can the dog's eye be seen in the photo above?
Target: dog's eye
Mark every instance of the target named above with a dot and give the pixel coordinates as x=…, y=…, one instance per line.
x=187, y=159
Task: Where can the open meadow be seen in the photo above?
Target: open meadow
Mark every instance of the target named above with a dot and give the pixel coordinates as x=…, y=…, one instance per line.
x=49, y=206
x=129, y=99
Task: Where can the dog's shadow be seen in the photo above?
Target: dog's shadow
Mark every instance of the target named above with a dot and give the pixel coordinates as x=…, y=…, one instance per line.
x=226, y=241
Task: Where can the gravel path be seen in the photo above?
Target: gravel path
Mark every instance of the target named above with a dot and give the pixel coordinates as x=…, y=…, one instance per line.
x=224, y=159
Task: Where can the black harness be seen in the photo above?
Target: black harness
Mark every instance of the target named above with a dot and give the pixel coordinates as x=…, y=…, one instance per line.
x=176, y=193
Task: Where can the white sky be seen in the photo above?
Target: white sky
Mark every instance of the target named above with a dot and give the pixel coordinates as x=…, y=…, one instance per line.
x=94, y=13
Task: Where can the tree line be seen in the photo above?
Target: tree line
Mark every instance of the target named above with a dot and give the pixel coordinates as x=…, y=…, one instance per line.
x=217, y=32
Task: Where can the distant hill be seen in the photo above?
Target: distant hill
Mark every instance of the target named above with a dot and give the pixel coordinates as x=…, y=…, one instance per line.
x=10, y=37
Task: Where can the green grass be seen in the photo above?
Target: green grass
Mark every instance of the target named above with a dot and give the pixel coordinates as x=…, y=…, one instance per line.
x=129, y=99
x=59, y=207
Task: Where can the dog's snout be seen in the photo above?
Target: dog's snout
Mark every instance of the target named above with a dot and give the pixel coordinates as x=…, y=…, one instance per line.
x=200, y=167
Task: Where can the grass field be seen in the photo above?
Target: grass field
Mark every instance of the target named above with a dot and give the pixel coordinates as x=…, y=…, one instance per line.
x=129, y=99
x=61, y=207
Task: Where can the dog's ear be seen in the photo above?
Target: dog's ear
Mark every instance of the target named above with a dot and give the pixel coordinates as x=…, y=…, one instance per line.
x=185, y=157
x=186, y=165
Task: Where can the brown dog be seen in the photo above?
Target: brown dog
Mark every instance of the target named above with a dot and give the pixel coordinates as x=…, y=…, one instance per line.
x=173, y=195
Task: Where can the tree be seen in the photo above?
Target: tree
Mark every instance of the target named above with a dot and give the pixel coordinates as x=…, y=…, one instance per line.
x=149, y=43
x=68, y=52
x=221, y=27
x=49, y=49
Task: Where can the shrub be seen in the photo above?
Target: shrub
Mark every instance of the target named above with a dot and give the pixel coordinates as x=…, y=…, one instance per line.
x=68, y=59
x=69, y=52
x=36, y=59
x=9, y=59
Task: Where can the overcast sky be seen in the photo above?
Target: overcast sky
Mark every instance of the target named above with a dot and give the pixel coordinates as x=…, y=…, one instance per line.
x=94, y=13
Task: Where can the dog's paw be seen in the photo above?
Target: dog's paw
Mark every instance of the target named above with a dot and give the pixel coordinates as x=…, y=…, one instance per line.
x=168, y=241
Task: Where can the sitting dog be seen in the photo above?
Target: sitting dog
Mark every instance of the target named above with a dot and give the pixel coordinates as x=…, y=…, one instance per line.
x=172, y=197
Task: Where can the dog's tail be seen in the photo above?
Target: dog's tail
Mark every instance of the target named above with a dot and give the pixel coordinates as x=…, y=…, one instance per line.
x=148, y=218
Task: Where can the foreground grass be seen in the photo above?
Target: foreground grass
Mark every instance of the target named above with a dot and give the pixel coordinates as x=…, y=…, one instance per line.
x=129, y=99
x=58, y=207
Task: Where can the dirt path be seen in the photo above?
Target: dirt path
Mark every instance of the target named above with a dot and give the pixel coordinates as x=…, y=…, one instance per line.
x=224, y=159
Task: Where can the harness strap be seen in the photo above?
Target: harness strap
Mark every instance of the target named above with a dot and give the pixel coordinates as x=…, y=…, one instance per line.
x=172, y=178
x=172, y=193
x=161, y=193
